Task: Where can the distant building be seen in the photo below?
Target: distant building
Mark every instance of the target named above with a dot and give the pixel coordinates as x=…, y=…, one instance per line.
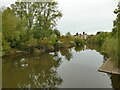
x=83, y=36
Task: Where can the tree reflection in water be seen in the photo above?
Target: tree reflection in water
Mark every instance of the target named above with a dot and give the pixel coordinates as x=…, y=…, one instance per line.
x=115, y=79
x=40, y=71
x=79, y=48
x=23, y=71
x=67, y=53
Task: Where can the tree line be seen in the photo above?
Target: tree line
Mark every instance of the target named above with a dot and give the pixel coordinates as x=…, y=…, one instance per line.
x=31, y=27
x=109, y=41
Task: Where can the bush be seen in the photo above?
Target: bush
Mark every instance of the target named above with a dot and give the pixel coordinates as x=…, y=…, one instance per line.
x=53, y=39
x=5, y=45
x=66, y=41
x=99, y=38
x=79, y=41
x=32, y=42
x=110, y=47
x=45, y=44
x=72, y=43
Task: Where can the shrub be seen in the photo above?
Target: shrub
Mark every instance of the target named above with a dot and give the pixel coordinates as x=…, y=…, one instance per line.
x=79, y=41
x=110, y=47
x=66, y=41
x=5, y=45
x=53, y=39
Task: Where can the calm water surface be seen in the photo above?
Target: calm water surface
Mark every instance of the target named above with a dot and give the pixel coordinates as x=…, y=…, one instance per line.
x=67, y=68
x=82, y=71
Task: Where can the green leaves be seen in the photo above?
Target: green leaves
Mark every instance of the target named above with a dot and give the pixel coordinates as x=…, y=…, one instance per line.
x=116, y=23
x=5, y=46
x=99, y=38
x=53, y=39
x=45, y=14
x=31, y=42
x=27, y=24
x=9, y=24
x=79, y=41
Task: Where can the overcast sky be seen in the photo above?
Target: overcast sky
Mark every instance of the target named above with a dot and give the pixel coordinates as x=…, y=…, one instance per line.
x=83, y=15
x=86, y=15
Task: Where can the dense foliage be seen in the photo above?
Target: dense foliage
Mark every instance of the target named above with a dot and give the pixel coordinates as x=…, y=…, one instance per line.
x=111, y=44
x=109, y=41
x=99, y=38
x=31, y=27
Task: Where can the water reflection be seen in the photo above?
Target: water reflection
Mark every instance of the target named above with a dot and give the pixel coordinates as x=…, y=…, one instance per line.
x=31, y=71
x=79, y=48
x=115, y=79
x=41, y=70
x=67, y=53
x=96, y=47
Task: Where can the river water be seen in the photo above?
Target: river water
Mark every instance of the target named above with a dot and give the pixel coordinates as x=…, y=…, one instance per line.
x=66, y=68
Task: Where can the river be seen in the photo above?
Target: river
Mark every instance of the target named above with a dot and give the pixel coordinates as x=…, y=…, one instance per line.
x=67, y=68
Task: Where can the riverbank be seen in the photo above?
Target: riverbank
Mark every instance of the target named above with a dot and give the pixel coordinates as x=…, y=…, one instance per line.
x=109, y=67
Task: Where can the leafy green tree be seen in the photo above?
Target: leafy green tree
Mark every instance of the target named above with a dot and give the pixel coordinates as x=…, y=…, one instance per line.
x=14, y=32
x=111, y=44
x=78, y=41
x=116, y=23
x=99, y=38
x=116, y=29
x=5, y=46
x=47, y=14
x=41, y=14
x=66, y=41
x=57, y=33
x=68, y=34
x=53, y=39
x=24, y=9
x=32, y=23
x=31, y=43
x=9, y=24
